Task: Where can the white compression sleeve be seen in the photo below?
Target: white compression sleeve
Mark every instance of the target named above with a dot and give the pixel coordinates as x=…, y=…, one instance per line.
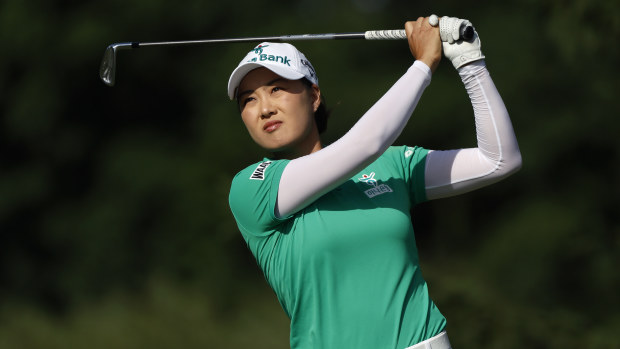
x=453, y=172
x=363, y=144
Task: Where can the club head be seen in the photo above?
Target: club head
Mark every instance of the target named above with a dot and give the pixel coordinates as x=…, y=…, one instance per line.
x=108, y=66
x=107, y=71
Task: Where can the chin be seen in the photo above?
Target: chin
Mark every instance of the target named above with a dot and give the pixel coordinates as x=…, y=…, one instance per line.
x=275, y=149
x=275, y=145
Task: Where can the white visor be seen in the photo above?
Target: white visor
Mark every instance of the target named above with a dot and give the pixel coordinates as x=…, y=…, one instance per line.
x=281, y=58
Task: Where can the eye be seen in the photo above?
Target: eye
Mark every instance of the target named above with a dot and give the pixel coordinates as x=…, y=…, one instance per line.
x=246, y=101
x=276, y=89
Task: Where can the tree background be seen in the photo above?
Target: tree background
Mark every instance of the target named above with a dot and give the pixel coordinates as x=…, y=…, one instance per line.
x=114, y=224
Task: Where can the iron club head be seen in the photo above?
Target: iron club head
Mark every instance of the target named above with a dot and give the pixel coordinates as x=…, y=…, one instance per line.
x=107, y=71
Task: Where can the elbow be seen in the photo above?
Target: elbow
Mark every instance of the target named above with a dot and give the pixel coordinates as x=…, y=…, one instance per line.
x=518, y=162
x=512, y=164
x=370, y=148
x=374, y=150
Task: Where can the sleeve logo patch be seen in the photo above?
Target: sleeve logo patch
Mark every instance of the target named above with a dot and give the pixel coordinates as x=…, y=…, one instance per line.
x=259, y=172
x=408, y=152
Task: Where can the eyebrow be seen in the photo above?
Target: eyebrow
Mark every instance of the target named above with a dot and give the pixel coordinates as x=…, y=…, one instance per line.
x=267, y=84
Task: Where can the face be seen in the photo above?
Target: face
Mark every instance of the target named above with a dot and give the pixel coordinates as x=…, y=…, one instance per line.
x=279, y=113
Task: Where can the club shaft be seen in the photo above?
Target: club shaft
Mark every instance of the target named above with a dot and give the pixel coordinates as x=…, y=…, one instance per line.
x=283, y=38
x=107, y=71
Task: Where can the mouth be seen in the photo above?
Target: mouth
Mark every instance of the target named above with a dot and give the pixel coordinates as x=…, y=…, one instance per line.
x=271, y=126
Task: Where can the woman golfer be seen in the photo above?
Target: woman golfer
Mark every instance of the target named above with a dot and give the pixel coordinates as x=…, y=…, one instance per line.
x=330, y=226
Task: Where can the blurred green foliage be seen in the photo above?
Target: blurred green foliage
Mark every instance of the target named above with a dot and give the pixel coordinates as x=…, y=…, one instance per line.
x=114, y=222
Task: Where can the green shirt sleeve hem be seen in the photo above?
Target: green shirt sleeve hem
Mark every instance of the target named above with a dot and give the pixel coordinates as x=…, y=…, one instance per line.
x=419, y=174
x=273, y=195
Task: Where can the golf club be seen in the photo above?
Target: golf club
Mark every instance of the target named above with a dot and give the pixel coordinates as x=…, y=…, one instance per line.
x=107, y=71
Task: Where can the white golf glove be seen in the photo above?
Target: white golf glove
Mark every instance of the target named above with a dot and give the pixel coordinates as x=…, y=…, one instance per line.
x=450, y=28
x=459, y=52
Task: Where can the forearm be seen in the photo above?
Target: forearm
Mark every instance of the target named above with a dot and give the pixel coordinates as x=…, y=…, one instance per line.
x=364, y=143
x=497, y=155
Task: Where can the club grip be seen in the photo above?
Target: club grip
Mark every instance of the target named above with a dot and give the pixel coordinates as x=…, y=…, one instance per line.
x=467, y=33
x=385, y=34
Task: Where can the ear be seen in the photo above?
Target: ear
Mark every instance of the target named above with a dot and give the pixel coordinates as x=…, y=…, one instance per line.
x=315, y=94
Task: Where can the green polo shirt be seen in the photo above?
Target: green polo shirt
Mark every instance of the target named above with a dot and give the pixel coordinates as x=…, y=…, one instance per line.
x=345, y=268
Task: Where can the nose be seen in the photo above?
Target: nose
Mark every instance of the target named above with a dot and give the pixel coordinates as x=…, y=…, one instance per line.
x=267, y=108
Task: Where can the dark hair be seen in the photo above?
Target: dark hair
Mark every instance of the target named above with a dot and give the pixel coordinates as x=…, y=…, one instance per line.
x=321, y=114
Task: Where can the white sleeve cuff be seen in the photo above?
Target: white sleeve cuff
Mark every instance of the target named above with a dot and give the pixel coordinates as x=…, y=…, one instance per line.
x=423, y=67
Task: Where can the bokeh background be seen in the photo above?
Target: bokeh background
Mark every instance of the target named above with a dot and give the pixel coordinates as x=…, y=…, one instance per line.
x=115, y=230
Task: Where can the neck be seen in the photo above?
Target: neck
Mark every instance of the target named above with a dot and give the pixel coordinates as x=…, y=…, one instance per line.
x=299, y=151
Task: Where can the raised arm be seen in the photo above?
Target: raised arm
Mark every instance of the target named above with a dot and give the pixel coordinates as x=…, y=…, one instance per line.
x=370, y=136
x=497, y=155
x=453, y=172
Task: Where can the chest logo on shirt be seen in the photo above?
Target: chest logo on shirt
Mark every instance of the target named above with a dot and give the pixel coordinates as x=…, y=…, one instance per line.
x=377, y=189
x=259, y=172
